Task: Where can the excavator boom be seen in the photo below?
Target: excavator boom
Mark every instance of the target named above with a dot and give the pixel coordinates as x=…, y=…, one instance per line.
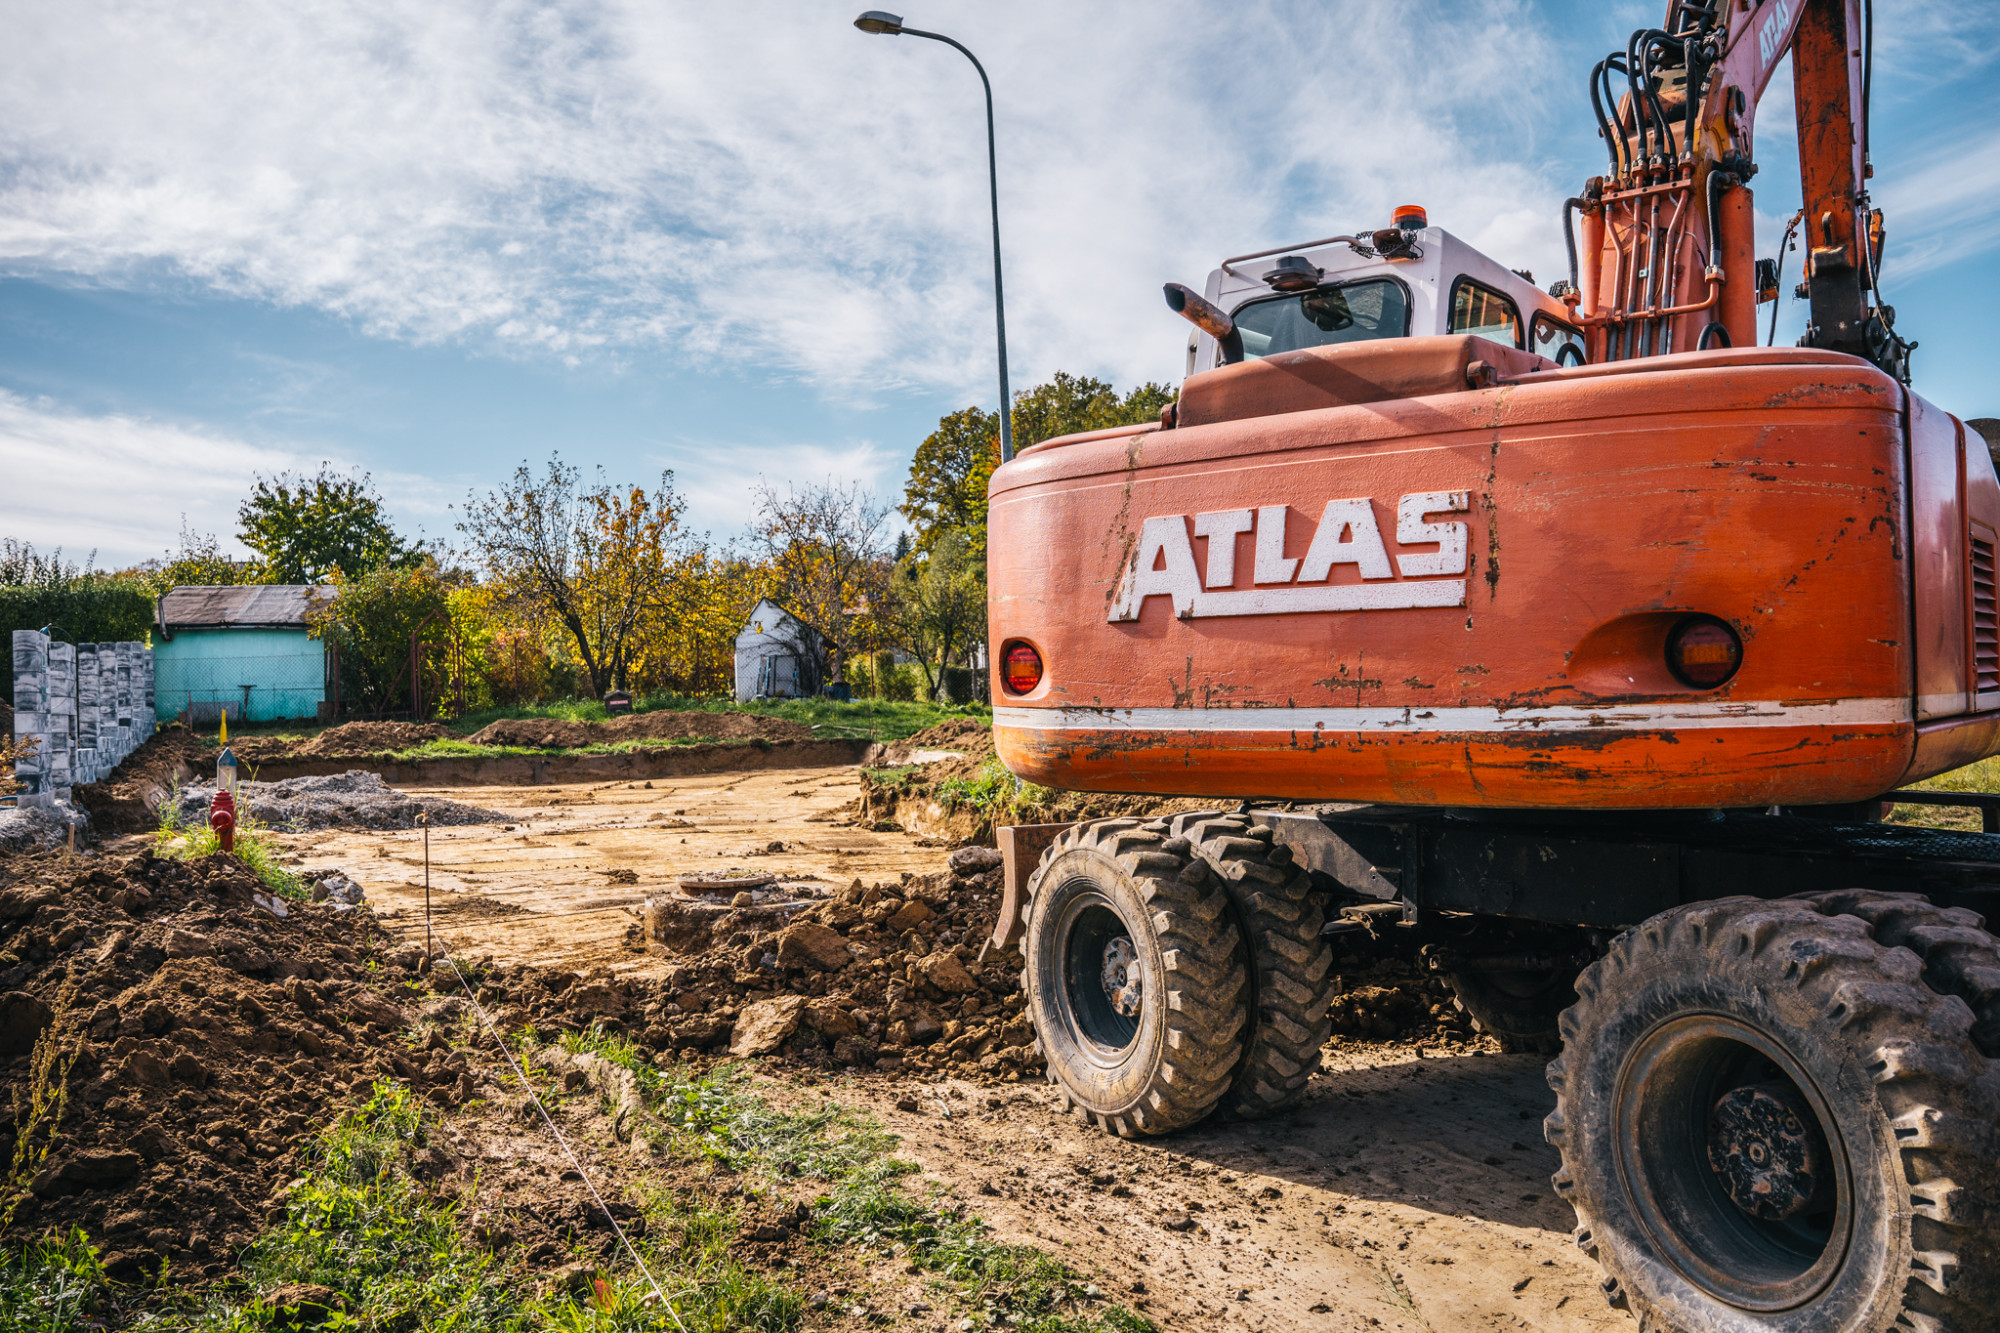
x=1669, y=244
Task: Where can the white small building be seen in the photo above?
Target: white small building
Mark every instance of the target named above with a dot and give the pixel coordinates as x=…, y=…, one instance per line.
x=774, y=655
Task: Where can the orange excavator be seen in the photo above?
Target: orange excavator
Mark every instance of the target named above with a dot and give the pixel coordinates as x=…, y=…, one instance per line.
x=1579, y=642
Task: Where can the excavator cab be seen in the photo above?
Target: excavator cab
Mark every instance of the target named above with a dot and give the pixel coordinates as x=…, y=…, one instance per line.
x=1407, y=280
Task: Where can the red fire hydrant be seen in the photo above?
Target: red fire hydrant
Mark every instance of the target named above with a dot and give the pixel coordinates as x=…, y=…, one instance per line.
x=222, y=818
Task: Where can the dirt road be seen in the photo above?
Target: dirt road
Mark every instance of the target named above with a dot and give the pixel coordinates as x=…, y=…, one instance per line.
x=1407, y=1193
x=559, y=886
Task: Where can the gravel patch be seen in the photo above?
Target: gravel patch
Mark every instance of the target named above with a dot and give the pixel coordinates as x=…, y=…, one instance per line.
x=342, y=800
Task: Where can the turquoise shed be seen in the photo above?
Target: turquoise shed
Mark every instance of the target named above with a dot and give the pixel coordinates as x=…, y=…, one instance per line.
x=240, y=650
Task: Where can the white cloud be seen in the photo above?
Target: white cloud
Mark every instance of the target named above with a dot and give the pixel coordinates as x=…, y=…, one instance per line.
x=122, y=485
x=756, y=183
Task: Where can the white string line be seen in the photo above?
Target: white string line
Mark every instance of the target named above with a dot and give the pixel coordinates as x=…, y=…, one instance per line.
x=535, y=1100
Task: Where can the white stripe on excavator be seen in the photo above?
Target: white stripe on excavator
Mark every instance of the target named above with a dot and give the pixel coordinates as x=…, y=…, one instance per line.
x=1561, y=718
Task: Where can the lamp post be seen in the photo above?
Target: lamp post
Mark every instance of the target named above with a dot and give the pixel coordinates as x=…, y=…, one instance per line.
x=890, y=25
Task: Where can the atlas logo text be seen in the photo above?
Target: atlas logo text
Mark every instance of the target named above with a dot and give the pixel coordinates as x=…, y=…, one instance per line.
x=1164, y=564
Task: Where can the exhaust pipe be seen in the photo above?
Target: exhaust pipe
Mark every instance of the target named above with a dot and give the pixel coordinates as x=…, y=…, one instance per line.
x=1191, y=306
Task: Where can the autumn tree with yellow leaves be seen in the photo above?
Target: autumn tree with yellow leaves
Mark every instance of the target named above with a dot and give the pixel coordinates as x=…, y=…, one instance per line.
x=596, y=561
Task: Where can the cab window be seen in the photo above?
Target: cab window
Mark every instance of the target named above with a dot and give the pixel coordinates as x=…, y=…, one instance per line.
x=1557, y=341
x=1349, y=312
x=1484, y=313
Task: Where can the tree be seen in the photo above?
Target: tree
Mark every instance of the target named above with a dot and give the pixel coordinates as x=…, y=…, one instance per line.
x=370, y=618
x=308, y=527
x=1069, y=404
x=823, y=546
x=940, y=607
x=689, y=637
x=199, y=562
x=946, y=490
x=594, y=560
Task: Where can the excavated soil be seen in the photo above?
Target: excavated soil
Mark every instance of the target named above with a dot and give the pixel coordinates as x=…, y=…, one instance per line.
x=210, y=1034
x=1409, y=1191
x=555, y=734
x=128, y=800
x=362, y=738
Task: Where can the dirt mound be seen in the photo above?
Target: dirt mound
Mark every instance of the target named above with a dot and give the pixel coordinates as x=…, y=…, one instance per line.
x=971, y=735
x=344, y=800
x=884, y=976
x=557, y=734
x=361, y=738
x=129, y=799
x=209, y=1034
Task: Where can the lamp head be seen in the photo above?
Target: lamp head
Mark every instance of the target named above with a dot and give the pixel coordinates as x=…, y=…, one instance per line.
x=880, y=22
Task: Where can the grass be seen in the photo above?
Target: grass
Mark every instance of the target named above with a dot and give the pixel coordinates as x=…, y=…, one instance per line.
x=832, y=719
x=398, y=1256
x=993, y=792
x=54, y=1285
x=864, y=1203
x=1982, y=776
x=865, y=719
x=192, y=838
x=467, y=750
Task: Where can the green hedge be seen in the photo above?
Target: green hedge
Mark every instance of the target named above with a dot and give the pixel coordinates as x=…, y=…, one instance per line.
x=93, y=611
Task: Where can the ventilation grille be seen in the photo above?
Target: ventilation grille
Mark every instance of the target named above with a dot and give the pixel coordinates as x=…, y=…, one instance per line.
x=1985, y=621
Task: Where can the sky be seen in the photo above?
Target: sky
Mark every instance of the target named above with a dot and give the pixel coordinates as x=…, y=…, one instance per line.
x=748, y=243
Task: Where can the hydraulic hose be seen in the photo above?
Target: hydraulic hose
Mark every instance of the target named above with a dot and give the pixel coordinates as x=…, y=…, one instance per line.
x=1570, y=205
x=1612, y=124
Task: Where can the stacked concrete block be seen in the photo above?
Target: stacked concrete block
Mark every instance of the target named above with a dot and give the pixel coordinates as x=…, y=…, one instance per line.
x=31, y=684
x=107, y=706
x=61, y=718
x=125, y=703
x=86, y=707
x=85, y=764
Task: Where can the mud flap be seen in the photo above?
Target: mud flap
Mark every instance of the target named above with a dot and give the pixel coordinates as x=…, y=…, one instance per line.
x=1021, y=848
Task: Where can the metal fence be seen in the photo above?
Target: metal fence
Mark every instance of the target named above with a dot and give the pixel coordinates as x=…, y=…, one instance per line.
x=257, y=688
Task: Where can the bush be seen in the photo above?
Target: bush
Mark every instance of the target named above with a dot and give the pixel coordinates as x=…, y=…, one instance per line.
x=958, y=684
x=85, y=607
x=901, y=683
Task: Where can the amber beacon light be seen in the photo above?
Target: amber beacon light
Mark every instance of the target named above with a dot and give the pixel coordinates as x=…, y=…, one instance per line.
x=1020, y=668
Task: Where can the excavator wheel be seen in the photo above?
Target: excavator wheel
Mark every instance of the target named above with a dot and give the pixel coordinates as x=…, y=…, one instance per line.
x=1290, y=975
x=1778, y=1117
x=1134, y=977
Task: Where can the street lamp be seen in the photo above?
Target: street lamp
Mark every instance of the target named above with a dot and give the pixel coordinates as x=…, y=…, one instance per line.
x=890, y=25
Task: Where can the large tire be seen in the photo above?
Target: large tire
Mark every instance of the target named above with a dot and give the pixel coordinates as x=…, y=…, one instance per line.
x=1716, y=1039
x=1520, y=1010
x=1290, y=990
x=1120, y=897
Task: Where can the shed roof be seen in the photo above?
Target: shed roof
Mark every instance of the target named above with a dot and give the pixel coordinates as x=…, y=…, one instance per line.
x=246, y=606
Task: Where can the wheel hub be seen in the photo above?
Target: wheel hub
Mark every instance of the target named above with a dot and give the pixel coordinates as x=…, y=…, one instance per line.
x=1769, y=1154
x=1122, y=984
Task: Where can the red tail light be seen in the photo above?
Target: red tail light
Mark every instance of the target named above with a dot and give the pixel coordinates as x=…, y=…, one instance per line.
x=1702, y=652
x=1020, y=668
